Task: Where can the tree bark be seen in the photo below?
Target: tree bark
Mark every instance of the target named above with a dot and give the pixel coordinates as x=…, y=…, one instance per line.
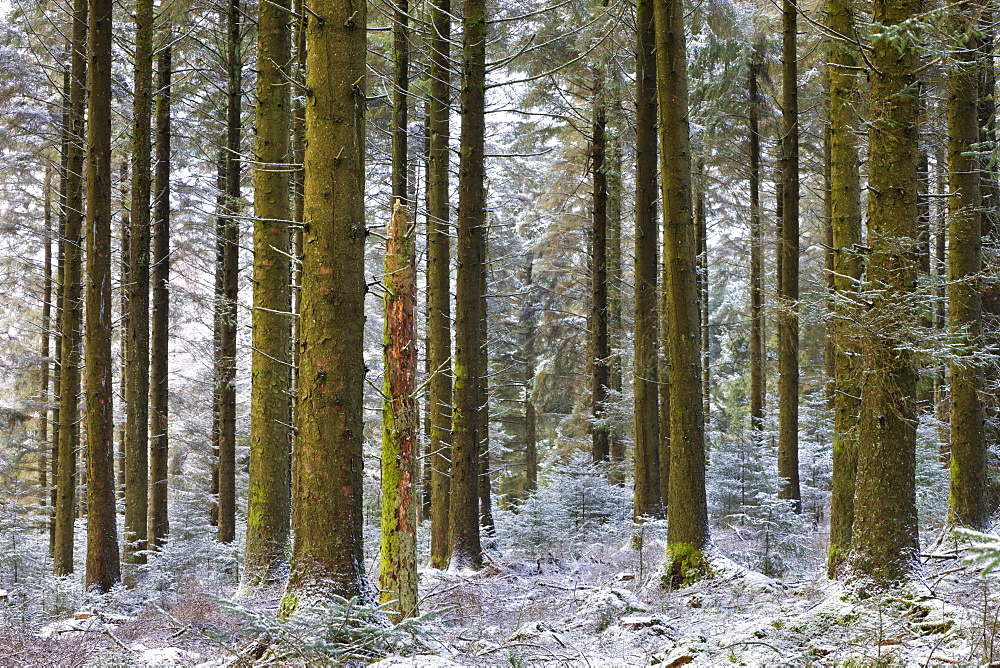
x=398, y=547
x=528, y=320
x=845, y=225
x=439, y=280
x=69, y=427
x=159, y=525
x=757, y=352
x=485, y=483
x=885, y=542
x=268, y=511
x=137, y=329
x=600, y=349
x=646, y=496
x=687, y=514
x=327, y=462
x=464, y=513
x=967, y=503
x=788, y=311
x=103, y=566
x=43, y=353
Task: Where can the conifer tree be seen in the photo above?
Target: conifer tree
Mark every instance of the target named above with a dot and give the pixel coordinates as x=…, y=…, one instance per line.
x=884, y=542
x=103, y=567
x=327, y=462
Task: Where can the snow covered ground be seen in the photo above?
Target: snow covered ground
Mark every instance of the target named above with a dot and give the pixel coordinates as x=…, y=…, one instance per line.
x=597, y=609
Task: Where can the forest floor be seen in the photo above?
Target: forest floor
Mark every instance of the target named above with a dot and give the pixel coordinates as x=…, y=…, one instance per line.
x=604, y=607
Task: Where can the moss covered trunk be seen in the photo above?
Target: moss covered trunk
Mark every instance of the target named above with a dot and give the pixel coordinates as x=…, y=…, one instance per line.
x=398, y=547
x=268, y=511
x=967, y=503
x=845, y=224
x=327, y=462
x=103, y=566
x=137, y=328
x=439, y=280
x=687, y=514
x=884, y=543
x=757, y=352
x=69, y=427
x=464, y=513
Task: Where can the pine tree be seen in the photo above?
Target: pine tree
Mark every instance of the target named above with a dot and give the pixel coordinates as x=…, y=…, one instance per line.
x=69, y=428
x=439, y=279
x=967, y=502
x=600, y=348
x=788, y=318
x=687, y=512
x=327, y=462
x=885, y=542
x=647, y=424
x=845, y=225
x=270, y=405
x=159, y=525
x=103, y=567
x=757, y=353
x=464, y=511
x=136, y=370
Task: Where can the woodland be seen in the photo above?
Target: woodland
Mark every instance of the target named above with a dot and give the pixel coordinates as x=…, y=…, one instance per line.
x=433, y=333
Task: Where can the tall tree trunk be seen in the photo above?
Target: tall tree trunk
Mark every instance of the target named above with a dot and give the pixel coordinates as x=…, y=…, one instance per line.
x=528, y=320
x=123, y=288
x=967, y=503
x=687, y=514
x=159, y=525
x=464, y=513
x=69, y=427
x=268, y=512
x=274, y=192
x=103, y=566
x=485, y=480
x=701, y=224
x=616, y=442
x=885, y=542
x=57, y=317
x=788, y=311
x=137, y=329
x=757, y=356
x=43, y=353
x=220, y=321
x=600, y=349
x=327, y=462
x=398, y=551
x=845, y=225
x=646, y=501
x=439, y=280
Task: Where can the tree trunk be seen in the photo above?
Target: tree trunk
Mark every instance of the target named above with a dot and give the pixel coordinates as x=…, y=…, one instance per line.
x=268, y=512
x=69, y=428
x=600, y=349
x=43, y=353
x=137, y=329
x=757, y=352
x=845, y=225
x=647, y=490
x=616, y=441
x=967, y=503
x=103, y=566
x=687, y=514
x=485, y=481
x=439, y=281
x=464, y=512
x=701, y=223
x=327, y=462
x=159, y=525
x=885, y=542
x=123, y=288
x=398, y=548
x=220, y=321
x=528, y=320
x=57, y=316
x=788, y=309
